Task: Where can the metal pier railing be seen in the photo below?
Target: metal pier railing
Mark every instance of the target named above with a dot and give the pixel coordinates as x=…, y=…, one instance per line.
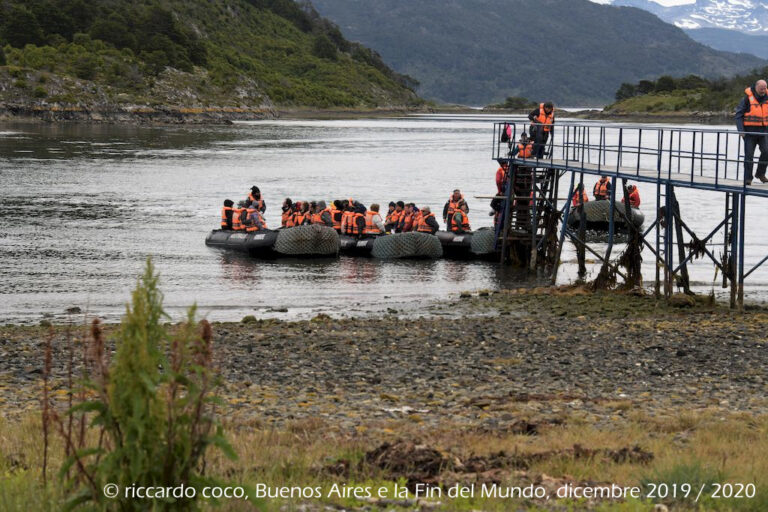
x=673, y=159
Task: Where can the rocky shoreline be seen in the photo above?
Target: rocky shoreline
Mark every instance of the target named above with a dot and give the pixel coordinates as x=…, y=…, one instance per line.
x=506, y=361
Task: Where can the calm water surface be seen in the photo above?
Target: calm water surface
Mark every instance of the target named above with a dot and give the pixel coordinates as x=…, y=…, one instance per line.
x=83, y=206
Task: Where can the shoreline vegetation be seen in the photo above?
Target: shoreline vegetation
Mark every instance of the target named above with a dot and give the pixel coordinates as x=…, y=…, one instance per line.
x=545, y=386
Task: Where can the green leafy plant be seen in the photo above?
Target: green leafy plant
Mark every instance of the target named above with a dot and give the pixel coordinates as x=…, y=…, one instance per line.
x=146, y=418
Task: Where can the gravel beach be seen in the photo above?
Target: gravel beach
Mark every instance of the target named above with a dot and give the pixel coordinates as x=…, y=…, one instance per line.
x=506, y=361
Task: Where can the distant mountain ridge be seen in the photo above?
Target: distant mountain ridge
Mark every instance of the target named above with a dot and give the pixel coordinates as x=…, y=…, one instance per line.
x=477, y=52
x=743, y=15
x=731, y=41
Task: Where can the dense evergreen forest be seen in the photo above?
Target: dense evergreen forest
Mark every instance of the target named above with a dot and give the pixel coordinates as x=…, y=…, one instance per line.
x=233, y=51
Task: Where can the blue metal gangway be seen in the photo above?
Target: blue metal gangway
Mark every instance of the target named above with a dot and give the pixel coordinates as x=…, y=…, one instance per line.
x=670, y=157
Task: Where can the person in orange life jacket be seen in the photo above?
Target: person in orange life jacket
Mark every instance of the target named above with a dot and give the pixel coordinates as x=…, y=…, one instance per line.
x=373, y=223
x=752, y=117
x=238, y=216
x=353, y=220
x=302, y=216
x=452, y=205
x=416, y=216
x=389, y=223
x=336, y=212
x=427, y=221
x=287, y=216
x=397, y=215
x=501, y=177
x=580, y=196
x=542, y=127
x=254, y=221
x=322, y=215
x=460, y=220
x=407, y=218
x=226, y=215
x=524, y=147
x=255, y=196
x=634, y=196
x=602, y=188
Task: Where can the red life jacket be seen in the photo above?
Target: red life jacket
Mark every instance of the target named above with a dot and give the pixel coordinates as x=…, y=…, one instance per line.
x=546, y=120
x=225, y=222
x=370, y=226
x=758, y=113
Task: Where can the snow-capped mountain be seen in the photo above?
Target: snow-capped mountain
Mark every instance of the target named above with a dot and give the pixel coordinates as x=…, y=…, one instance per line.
x=750, y=16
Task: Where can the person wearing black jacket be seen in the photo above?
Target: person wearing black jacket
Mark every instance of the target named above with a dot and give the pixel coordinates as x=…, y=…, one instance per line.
x=542, y=126
x=752, y=117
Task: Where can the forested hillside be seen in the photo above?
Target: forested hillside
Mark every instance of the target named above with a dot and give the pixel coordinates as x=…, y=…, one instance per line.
x=481, y=51
x=189, y=53
x=669, y=95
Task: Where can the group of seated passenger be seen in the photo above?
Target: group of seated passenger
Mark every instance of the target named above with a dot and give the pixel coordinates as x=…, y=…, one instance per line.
x=346, y=216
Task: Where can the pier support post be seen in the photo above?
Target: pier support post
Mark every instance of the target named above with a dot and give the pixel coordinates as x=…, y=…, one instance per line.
x=564, y=229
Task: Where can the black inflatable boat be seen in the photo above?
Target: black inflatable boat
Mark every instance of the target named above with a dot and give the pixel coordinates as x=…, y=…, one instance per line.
x=597, y=215
x=393, y=246
x=298, y=242
x=468, y=246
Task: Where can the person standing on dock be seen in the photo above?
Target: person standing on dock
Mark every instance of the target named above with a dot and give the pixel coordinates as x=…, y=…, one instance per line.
x=542, y=127
x=752, y=122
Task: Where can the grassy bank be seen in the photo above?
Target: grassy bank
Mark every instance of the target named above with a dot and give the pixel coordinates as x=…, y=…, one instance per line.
x=573, y=388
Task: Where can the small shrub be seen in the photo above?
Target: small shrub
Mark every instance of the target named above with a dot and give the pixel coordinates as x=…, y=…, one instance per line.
x=146, y=418
x=39, y=92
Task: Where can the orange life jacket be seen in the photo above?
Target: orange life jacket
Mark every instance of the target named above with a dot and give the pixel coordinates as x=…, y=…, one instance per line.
x=351, y=223
x=758, y=112
x=299, y=218
x=584, y=198
x=464, y=222
x=545, y=119
x=453, y=207
x=336, y=218
x=634, y=198
x=524, y=150
x=224, y=223
x=237, y=222
x=601, y=188
x=423, y=227
x=406, y=221
x=317, y=218
x=370, y=226
x=258, y=224
x=287, y=219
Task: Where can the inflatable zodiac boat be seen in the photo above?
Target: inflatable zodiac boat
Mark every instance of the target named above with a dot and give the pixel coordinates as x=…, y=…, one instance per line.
x=298, y=242
x=597, y=214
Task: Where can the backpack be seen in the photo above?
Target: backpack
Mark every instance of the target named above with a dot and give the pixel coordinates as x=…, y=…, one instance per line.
x=505, y=133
